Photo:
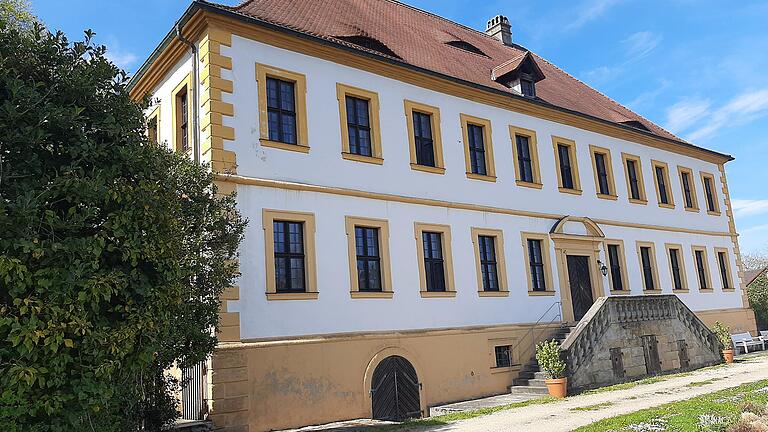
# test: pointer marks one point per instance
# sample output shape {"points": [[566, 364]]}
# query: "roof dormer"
{"points": [[520, 73]]}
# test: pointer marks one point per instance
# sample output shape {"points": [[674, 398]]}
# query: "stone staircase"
{"points": [[530, 380]]}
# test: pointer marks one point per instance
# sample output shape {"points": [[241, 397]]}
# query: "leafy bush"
{"points": [[757, 292], [113, 251], [549, 359], [723, 333]]}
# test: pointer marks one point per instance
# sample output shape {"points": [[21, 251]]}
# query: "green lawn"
{"points": [[708, 413]]}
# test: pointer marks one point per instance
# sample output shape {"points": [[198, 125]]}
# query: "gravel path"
{"points": [[563, 416]]}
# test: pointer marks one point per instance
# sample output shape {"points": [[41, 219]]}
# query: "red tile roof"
{"points": [[421, 39]]}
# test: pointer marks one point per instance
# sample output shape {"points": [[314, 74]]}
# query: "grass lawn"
{"points": [[708, 413]]}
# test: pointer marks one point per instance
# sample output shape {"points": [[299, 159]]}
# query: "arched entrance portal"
{"points": [[395, 390]]}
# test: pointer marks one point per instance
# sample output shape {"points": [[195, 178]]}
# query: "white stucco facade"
{"points": [[334, 311]]}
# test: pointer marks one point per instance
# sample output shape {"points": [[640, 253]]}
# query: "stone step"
{"points": [[530, 382], [528, 390]]}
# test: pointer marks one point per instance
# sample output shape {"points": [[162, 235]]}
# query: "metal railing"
{"points": [[193, 399], [539, 325]]}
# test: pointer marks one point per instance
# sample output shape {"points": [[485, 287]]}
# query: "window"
{"points": [[536, 252], [634, 174], [663, 190], [526, 155], [603, 171], [282, 108], [616, 264], [478, 148], [647, 253], [181, 107], [702, 268], [153, 125], [424, 136], [370, 274], [567, 166], [713, 206], [725, 268], [290, 255], [690, 199], [527, 87], [489, 259], [435, 263], [360, 130], [503, 356], [677, 267]]}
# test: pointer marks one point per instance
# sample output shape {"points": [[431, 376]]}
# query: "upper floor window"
{"points": [[424, 136], [436, 267], [647, 254], [616, 264], [709, 190], [567, 166], [290, 254], [369, 266], [663, 190], [360, 132], [181, 115], [526, 155], [634, 174], [478, 148], [689, 188], [603, 171], [282, 108], [725, 267], [153, 125], [536, 250], [702, 267], [489, 257]]}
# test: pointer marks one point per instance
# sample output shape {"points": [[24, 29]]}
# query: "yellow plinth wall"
{"points": [[739, 320], [266, 385]]}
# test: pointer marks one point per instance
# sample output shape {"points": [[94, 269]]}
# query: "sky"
{"points": [[698, 68]]}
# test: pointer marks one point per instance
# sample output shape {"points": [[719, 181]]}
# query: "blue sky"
{"points": [[696, 67]]}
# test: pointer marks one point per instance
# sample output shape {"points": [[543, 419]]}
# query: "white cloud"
{"points": [[641, 44], [686, 113], [600, 75], [739, 110], [590, 10], [123, 59], [748, 207]]}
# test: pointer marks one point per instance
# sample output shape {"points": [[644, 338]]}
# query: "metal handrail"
{"points": [[538, 323]]}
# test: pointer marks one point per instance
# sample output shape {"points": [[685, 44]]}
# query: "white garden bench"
{"points": [[745, 340], [764, 335]]}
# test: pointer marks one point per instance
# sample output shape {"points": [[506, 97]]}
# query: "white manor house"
{"points": [[424, 199]]}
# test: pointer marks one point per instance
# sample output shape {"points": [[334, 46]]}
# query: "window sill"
{"points": [[371, 294], [729, 290], [541, 293], [284, 146], [638, 201], [569, 191], [482, 177], [361, 158], [692, 209], [529, 184], [429, 169], [667, 206], [706, 290], [681, 291], [438, 294], [652, 292], [711, 213], [493, 293], [292, 296], [620, 292], [607, 197], [506, 369]]}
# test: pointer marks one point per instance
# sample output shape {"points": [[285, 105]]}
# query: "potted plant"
{"points": [[723, 334], [552, 364]]}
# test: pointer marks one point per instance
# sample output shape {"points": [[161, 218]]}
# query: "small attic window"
{"points": [[527, 86], [369, 43], [635, 124], [466, 46]]}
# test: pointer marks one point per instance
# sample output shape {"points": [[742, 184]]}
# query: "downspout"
{"points": [[195, 102]]}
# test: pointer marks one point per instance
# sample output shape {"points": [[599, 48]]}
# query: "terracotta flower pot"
{"points": [[728, 356], [557, 387]]}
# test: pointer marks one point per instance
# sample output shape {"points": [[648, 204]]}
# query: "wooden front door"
{"points": [[581, 285], [395, 390]]}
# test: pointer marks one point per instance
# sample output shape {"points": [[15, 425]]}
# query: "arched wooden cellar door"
{"points": [[395, 390]]}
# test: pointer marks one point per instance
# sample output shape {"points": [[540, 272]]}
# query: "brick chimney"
{"points": [[499, 28]]}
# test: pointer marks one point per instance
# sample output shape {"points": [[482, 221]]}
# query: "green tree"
{"points": [[113, 251], [17, 13], [757, 293]]}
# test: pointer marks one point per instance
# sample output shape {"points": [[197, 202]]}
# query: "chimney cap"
{"points": [[499, 28], [497, 20]]}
